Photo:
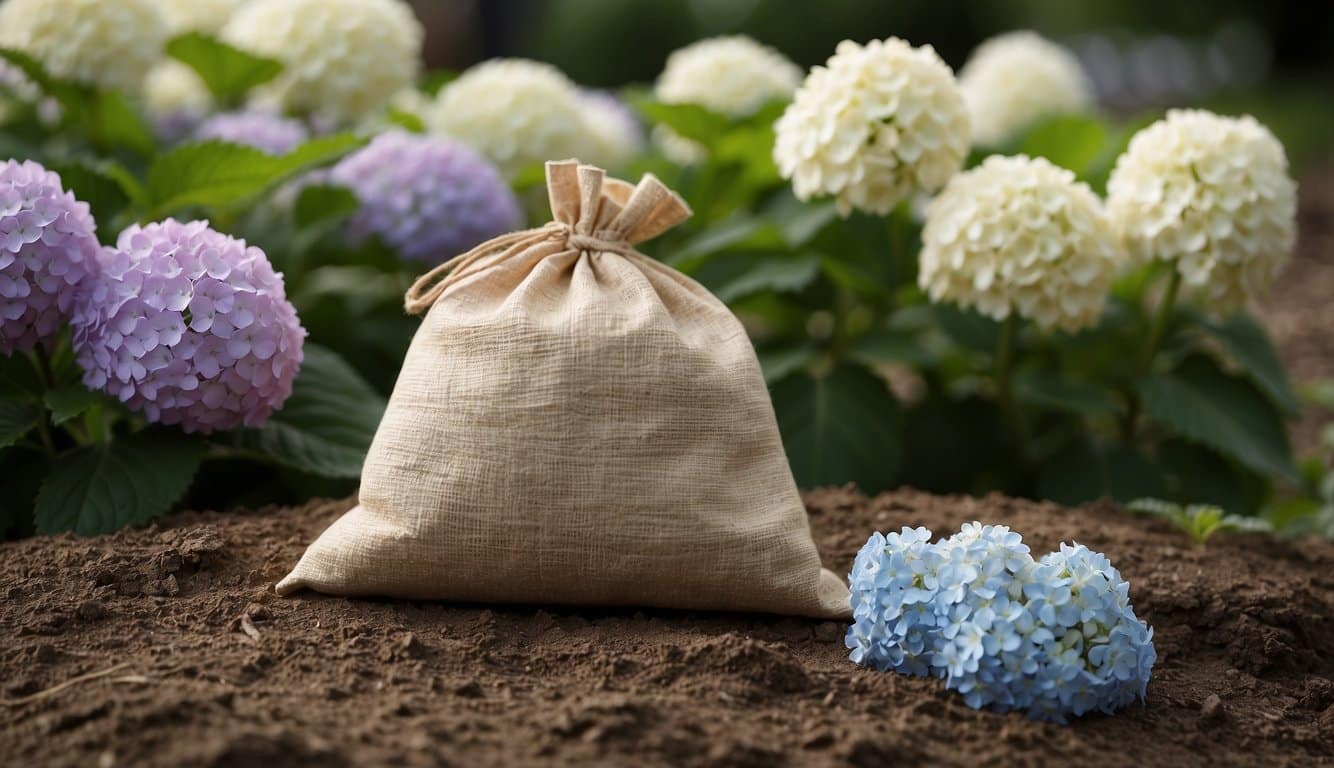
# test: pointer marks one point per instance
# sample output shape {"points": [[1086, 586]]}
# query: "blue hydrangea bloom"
{"points": [[264, 131], [427, 197], [47, 251], [1053, 637], [189, 326]]}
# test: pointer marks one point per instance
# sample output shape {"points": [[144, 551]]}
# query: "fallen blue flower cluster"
{"points": [[1053, 637]]}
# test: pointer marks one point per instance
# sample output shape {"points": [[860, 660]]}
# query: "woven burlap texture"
{"points": [[576, 423]]}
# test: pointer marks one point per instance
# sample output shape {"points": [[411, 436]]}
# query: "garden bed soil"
{"points": [[198, 662]]}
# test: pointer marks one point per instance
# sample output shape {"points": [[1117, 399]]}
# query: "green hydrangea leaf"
{"points": [[16, 418], [104, 487], [1248, 343], [1201, 403], [841, 425], [326, 426], [218, 173], [228, 72]]}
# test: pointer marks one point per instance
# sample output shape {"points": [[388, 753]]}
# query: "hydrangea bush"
{"points": [[1053, 637], [993, 313]]}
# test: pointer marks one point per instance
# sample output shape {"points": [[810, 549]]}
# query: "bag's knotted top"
{"points": [[590, 212]]}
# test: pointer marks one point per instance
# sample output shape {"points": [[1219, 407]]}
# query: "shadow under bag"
{"points": [[577, 423]]}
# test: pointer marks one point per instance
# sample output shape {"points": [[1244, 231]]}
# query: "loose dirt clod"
{"points": [[163, 680]]}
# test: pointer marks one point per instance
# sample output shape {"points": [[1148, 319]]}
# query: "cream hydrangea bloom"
{"points": [[516, 112], [1013, 80], [1211, 194], [733, 76], [1018, 234], [873, 126], [106, 43], [173, 87], [208, 16], [343, 59]]}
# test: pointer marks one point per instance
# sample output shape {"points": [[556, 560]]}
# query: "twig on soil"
{"points": [[53, 690], [248, 627]]}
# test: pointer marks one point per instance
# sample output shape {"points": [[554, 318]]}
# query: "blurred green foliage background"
{"points": [[1271, 59]]}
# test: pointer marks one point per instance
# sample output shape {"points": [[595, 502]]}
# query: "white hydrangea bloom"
{"points": [[1013, 80], [1211, 194], [516, 112], [207, 16], [173, 87], [343, 59], [1018, 234], [733, 76], [873, 126], [106, 43]]}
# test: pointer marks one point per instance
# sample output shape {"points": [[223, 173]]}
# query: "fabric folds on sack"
{"points": [[577, 423]]}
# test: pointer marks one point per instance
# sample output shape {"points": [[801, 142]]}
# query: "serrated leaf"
{"points": [[840, 426], [228, 72], [1248, 343], [318, 203], [326, 426], [16, 418], [1199, 402], [1046, 389], [218, 173], [102, 488], [70, 402]]}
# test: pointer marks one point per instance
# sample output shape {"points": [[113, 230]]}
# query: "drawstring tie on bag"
{"points": [[592, 214]]}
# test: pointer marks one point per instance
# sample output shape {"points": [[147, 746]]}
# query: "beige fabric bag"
{"points": [[577, 423]]}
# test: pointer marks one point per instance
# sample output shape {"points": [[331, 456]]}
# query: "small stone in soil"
{"points": [[470, 690], [1212, 710], [92, 610]]}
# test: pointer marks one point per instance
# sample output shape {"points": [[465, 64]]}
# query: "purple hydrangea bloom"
{"points": [[264, 131], [428, 197], [189, 326], [47, 250]]}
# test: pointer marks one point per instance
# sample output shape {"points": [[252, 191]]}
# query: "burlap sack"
{"points": [[577, 423]]}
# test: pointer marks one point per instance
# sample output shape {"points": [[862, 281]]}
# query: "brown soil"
{"points": [[203, 665], [1299, 311]]}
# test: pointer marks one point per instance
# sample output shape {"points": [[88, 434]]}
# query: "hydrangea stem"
{"points": [[1150, 350], [1004, 365], [1160, 321]]}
